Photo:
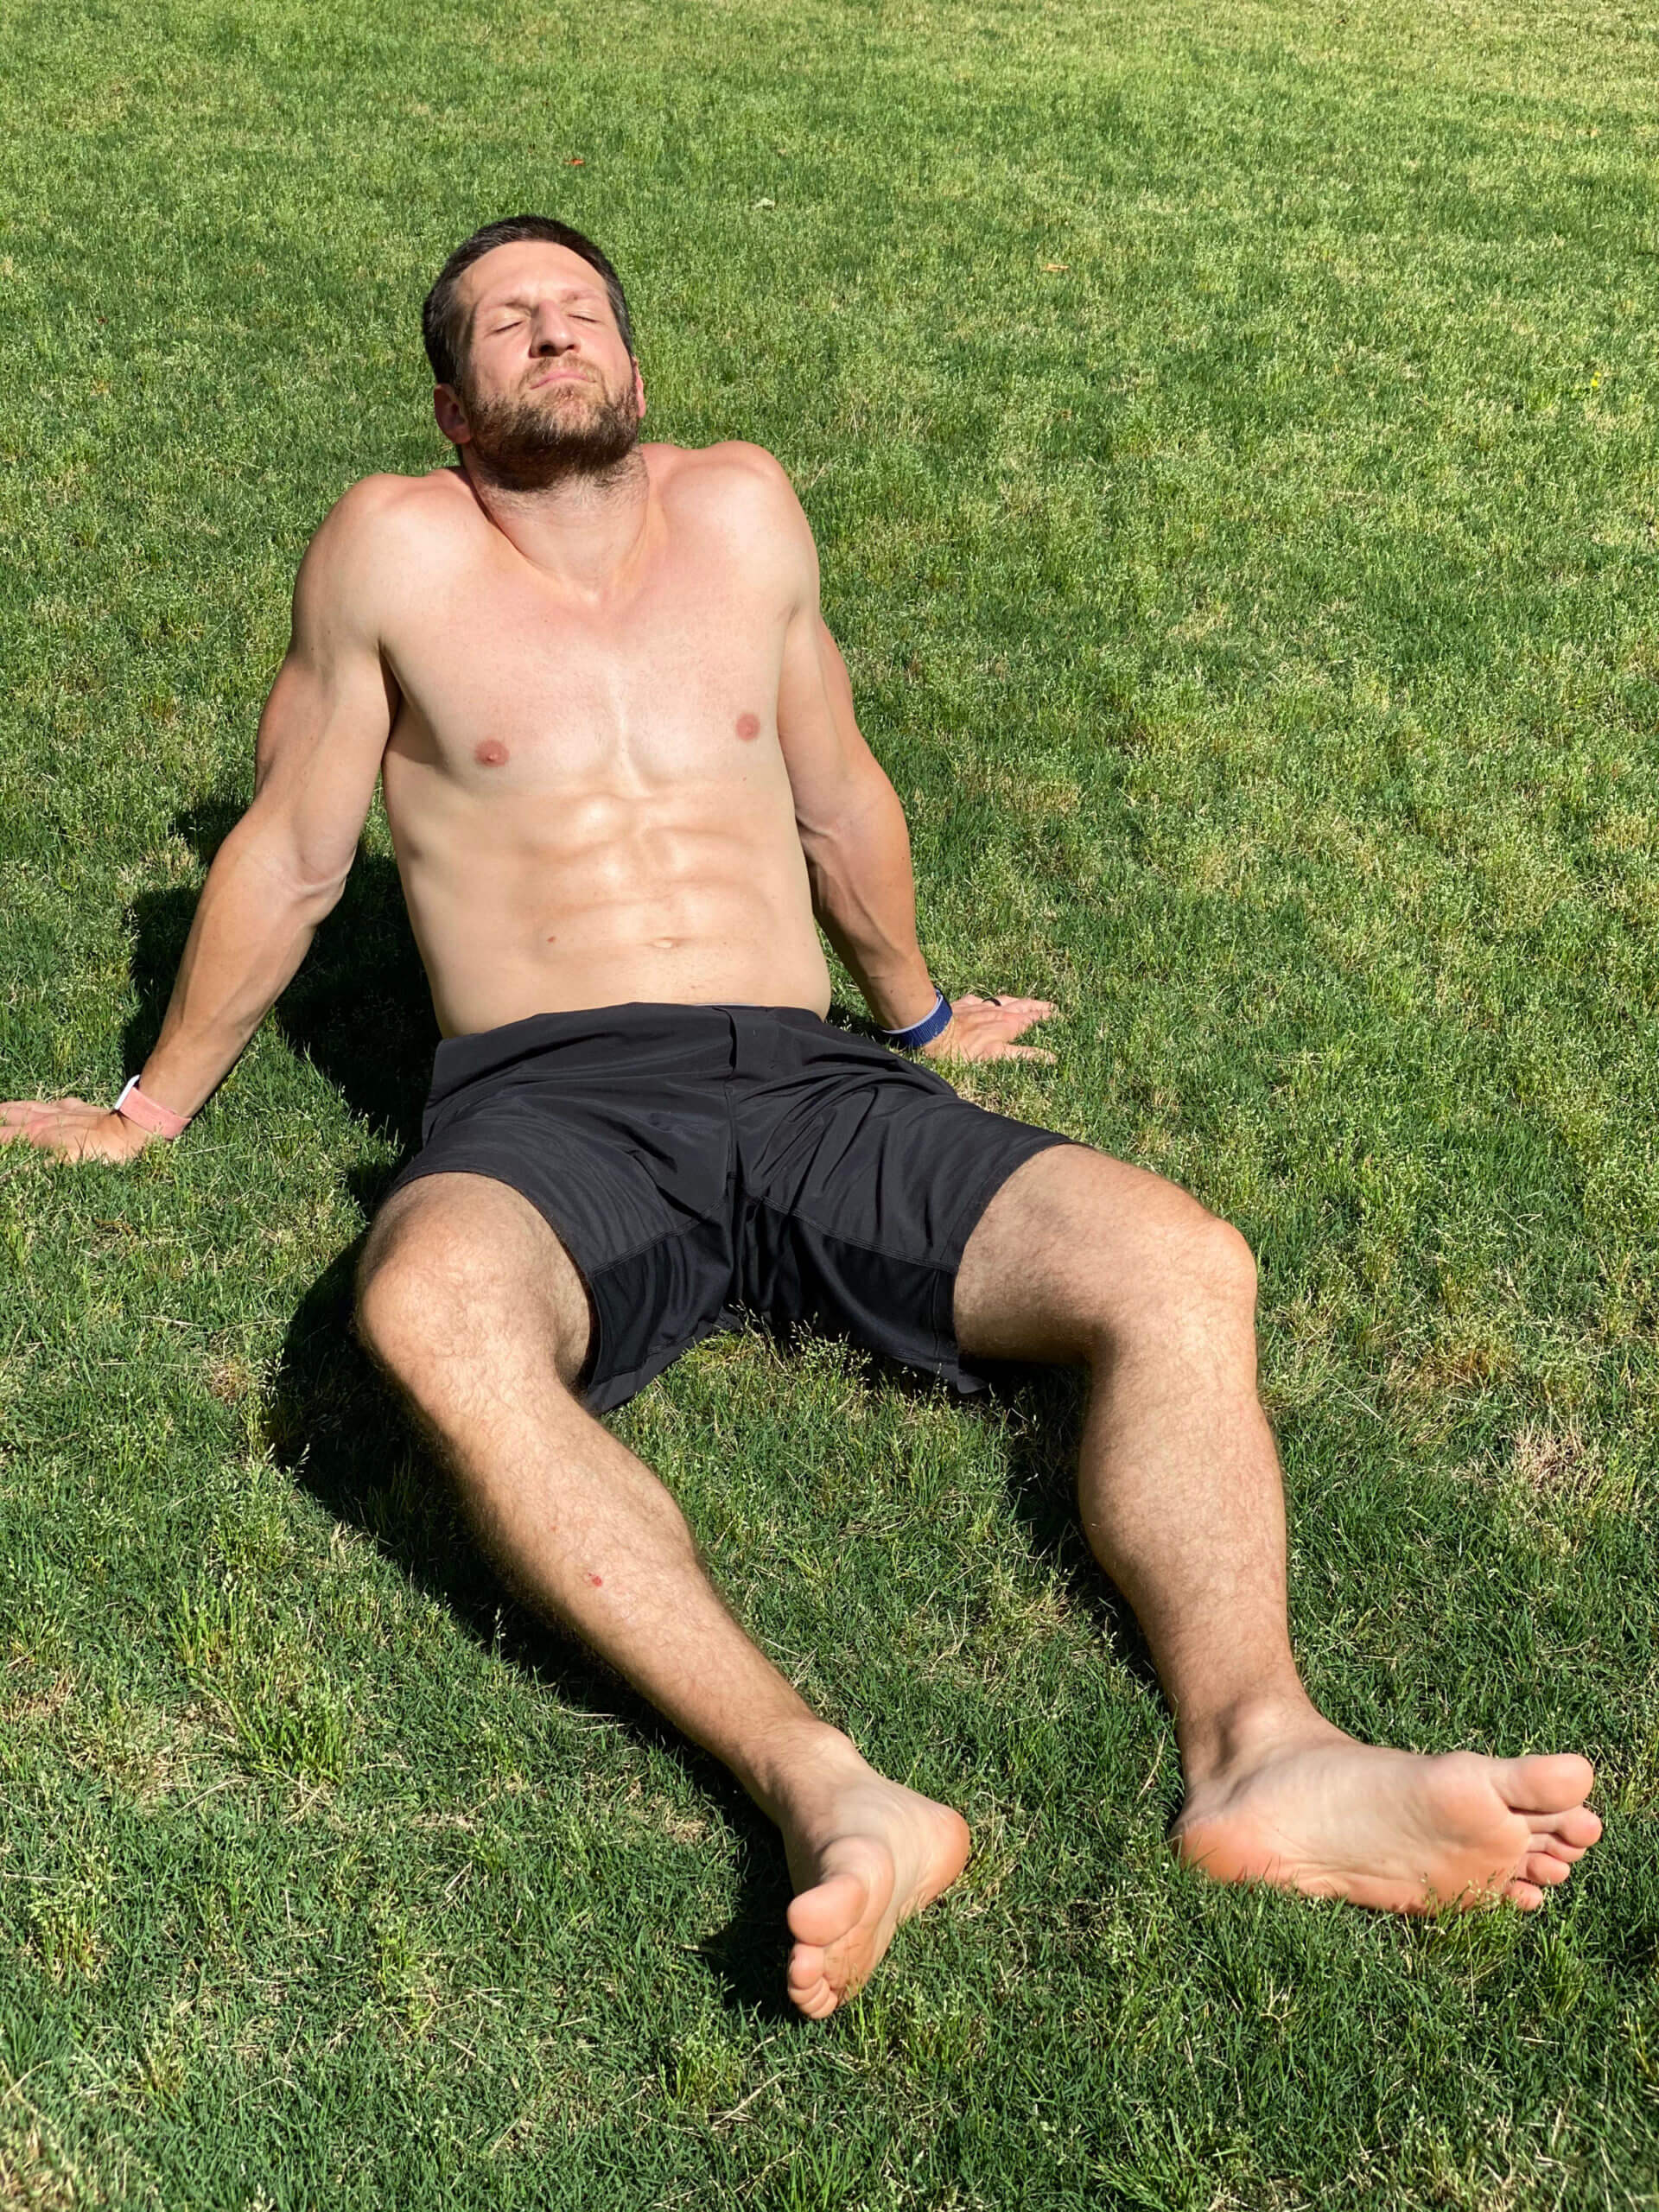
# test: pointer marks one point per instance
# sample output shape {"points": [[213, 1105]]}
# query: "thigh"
{"points": [[866, 1175], [1073, 1243], [471, 1253], [637, 1204]]}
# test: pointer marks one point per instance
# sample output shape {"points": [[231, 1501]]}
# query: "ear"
{"points": [[451, 417], [639, 393]]}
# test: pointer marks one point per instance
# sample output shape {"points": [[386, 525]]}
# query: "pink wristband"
{"points": [[160, 1121]]}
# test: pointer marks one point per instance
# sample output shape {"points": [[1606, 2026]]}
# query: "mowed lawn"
{"points": [[1229, 434]]}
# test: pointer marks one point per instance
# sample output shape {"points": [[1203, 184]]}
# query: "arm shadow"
{"points": [[359, 1010]]}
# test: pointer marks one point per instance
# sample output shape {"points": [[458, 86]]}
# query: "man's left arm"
{"points": [[857, 846]]}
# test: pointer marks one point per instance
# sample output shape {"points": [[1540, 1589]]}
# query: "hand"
{"points": [[985, 1028], [71, 1129]]}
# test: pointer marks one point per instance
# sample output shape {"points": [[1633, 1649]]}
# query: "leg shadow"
{"points": [[340, 1431], [1040, 1411]]}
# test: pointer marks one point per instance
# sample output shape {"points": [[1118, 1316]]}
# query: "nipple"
{"points": [[491, 753], [748, 726]]}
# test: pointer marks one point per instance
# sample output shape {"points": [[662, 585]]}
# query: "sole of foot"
{"points": [[872, 1855], [1392, 1830]]}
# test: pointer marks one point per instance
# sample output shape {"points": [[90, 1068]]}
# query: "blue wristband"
{"points": [[924, 1030]]}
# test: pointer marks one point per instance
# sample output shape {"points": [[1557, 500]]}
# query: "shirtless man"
{"points": [[622, 775]]}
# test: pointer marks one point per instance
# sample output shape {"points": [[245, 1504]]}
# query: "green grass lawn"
{"points": [[1229, 433]]}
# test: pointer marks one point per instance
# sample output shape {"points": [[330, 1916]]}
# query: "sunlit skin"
{"points": [[621, 763]]}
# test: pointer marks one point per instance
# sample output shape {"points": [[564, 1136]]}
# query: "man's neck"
{"points": [[584, 531]]}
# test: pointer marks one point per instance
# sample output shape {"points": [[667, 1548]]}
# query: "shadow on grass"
{"points": [[360, 1012], [1039, 1413], [358, 1009], [337, 1428], [1040, 1409]]}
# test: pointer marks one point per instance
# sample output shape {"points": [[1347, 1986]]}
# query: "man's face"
{"points": [[546, 389]]}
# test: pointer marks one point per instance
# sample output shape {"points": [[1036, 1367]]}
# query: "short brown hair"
{"points": [[444, 328]]}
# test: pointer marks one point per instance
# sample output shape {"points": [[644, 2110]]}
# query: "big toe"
{"points": [[1554, 1782], [835, 1927], [827, 1914]]}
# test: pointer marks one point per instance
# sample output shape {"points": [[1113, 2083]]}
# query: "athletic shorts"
{"points": [[706, 1165]]}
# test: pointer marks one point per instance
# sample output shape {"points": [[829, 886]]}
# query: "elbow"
{"points": [[287, 881], [314, 886]]}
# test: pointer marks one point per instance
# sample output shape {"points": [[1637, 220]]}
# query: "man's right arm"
{"points": [[283, 866]]}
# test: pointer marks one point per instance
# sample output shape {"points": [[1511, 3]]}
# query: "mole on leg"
{"points": [[748, 726], [491, 753]]}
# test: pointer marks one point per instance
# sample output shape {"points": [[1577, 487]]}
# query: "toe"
{"points": [[808, 1984], [1568, 1853], [823, 1915], [1543, 1869], [1545, 1783], [1525, 1894]]}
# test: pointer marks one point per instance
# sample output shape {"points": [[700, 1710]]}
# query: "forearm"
{"points": [[253, 925], [864, 894]]}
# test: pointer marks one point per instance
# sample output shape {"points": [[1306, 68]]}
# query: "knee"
{"points": [[1197, 1271], [395, 1297], [416, 1287], [1222, 1261], [468, 1279]]}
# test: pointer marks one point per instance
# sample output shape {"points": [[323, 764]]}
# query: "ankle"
{"points": [[1218, 1743], [797, 1759]]}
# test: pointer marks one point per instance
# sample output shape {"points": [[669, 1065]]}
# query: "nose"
{"points": [[551, 334]]}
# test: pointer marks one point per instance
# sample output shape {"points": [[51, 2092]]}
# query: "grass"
{"points": [[1230, 431]]}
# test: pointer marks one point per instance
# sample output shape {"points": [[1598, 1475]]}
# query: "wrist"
{"points": [[924, 1030], [899, 998], [149, 1114]]}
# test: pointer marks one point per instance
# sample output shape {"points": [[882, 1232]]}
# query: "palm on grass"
{"points": [[70, 1128], [985, 1027]]}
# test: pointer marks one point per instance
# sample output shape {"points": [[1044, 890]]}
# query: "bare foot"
{"points": [[864, 1854], [1319, 1813]]}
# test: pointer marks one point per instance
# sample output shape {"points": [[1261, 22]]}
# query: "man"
{"points": [[622, 774]]}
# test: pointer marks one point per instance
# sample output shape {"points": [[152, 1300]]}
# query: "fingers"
{"points": [[1024, 1009], [15, 1111], [68, 1128], [30, 1120]]}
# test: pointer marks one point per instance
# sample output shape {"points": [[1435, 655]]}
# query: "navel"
{"points": [[490, 753], [748, 726]]}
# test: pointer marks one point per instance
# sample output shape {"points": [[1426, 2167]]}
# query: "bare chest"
{"points": [[507, 688]]}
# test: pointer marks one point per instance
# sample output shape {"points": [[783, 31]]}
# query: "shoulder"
{"points": [[737, 493], [730, 477], [379, 509], [379, 537]]}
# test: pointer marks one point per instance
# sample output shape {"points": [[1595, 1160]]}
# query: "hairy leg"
{"points": [[471, 1304], [1080, 1258]]}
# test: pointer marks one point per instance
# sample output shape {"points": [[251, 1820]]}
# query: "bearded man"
{"points": [[623, 775]]}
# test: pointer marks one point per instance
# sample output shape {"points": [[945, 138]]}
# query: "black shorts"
{"points": [[703, 1164]]}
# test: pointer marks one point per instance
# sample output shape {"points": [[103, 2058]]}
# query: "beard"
{"points": [[525, 445]]}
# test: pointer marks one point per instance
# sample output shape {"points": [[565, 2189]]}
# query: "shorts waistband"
{"points": [[589, 1033]]}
